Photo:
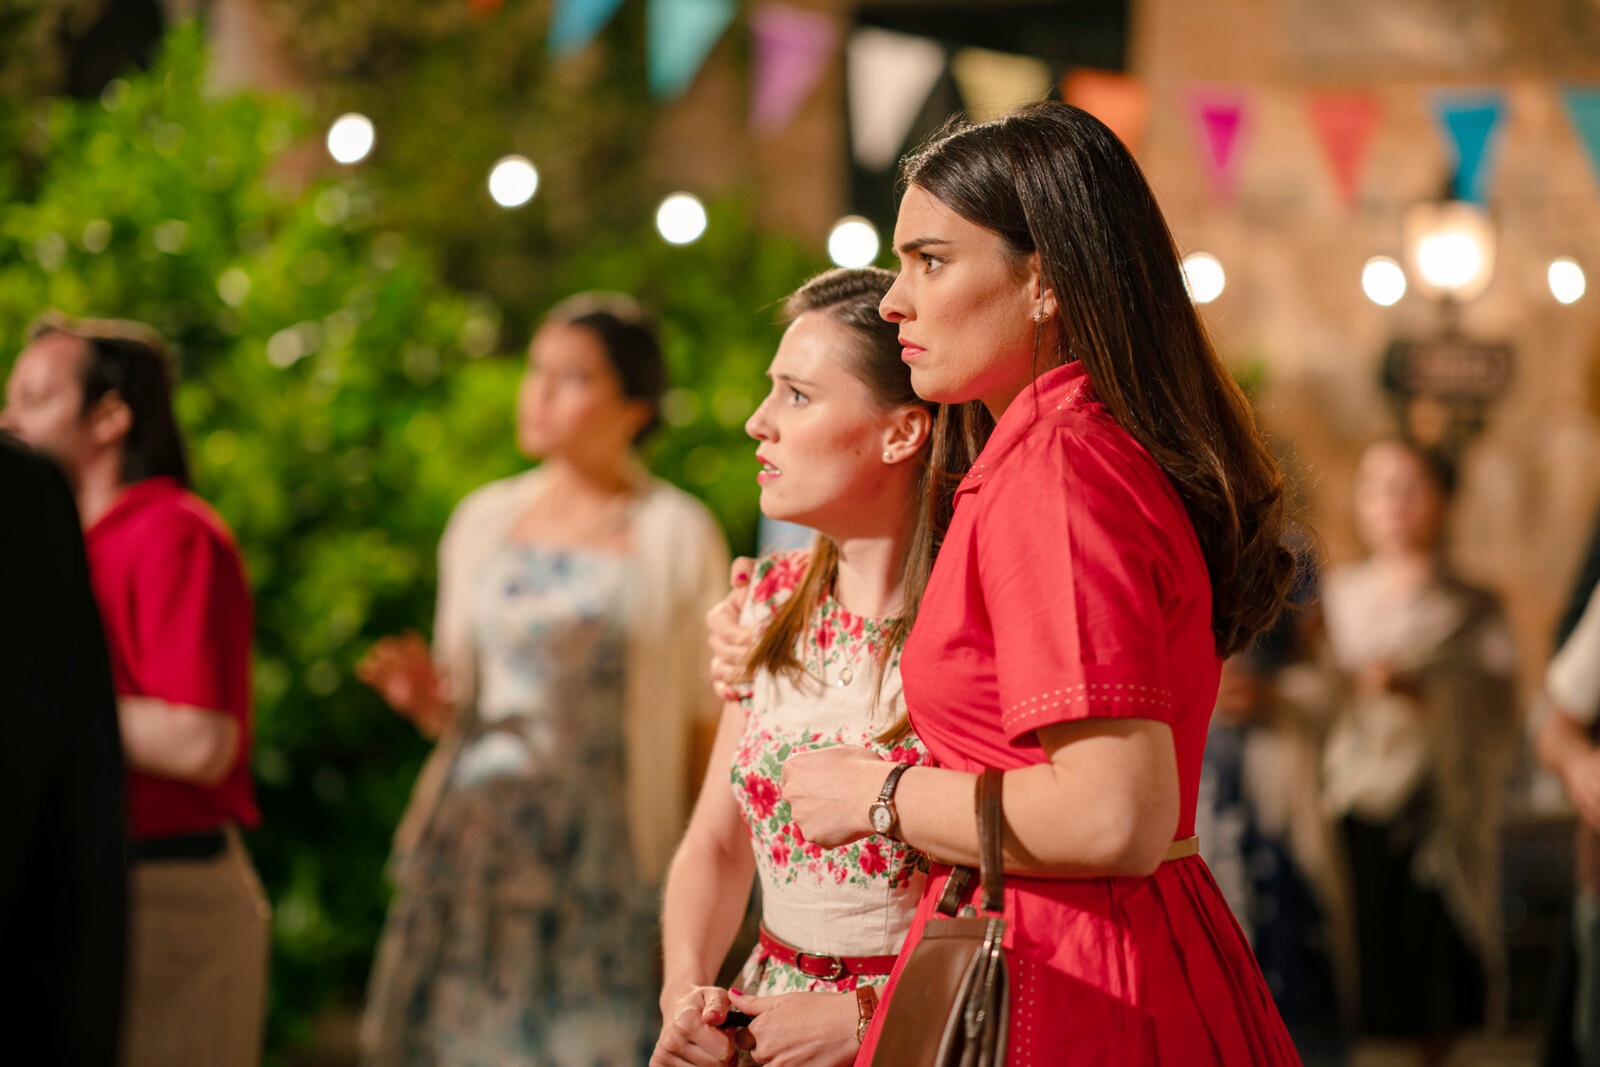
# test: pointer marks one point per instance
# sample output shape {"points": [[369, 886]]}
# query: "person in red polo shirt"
{"points": [[97, 398]]}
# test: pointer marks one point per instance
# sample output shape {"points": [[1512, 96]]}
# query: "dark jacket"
{"points": [[63, 886]]}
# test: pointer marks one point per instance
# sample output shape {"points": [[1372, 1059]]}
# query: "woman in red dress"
{"points": [[1121, 532]]}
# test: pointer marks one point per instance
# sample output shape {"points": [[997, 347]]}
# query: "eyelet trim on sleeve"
{"points": [[1091, 693]]}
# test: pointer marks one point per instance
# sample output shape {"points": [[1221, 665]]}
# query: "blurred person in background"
{"points": [[1262, 827], [63, 875], [96, 397], [1415, 764], [564, 684], [1567, 745]]}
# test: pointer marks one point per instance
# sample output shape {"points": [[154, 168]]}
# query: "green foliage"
{"points": [[339, 398], [482, 73]]}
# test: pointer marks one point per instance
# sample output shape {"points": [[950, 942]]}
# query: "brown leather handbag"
{"points": [[952, 1004]]}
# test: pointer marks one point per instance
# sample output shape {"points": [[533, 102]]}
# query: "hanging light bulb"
{"points": [[1204, 277], [1567, 281], [1383, 281], [853, 242], [681, 219], [350, 138], [513, 181]]}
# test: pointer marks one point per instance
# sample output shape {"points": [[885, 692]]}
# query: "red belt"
{"points": [[820, 964]]}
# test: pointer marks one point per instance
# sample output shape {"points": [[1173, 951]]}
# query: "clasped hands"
{"points": [[786, 1030]]}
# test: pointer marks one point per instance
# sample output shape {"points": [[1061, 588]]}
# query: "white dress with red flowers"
{"points": [[856, 900]]}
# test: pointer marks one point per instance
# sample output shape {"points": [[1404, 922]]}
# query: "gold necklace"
{"points": [[848, 673]]}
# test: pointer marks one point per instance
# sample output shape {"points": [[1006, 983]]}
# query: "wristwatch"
{"points": [[866, 1004], [882, 816]]}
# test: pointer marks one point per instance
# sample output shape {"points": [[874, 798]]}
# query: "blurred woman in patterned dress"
{"points": [[564, 684]]}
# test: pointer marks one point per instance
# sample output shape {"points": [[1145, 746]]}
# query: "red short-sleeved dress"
{"points": [[1071, 585]]}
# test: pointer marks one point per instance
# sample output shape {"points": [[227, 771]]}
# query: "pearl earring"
{"points": [[886, 457]]}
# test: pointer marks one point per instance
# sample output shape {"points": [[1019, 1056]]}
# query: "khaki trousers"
{"points": [[197, 962]]}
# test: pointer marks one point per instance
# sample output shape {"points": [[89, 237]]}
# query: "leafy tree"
{"points": [[339, 397]]}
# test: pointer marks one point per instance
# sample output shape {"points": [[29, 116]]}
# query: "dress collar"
{"points": [[1056, 390], [133, 499]]}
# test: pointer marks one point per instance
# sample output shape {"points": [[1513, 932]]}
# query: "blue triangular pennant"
{"points": [[1470, 122], [1583, 108], [574, 23], [682, 34]]}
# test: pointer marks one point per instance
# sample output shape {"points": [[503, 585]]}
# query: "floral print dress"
{"points": [[858, 899], [520, 933]]}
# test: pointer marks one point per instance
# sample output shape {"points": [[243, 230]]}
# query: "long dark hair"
{"points": [[130, 360], [850, 296], [1053, 180]]}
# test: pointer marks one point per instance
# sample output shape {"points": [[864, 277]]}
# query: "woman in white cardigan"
{"points": [[564, 685]]}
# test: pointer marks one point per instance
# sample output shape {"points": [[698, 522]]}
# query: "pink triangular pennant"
{"points": [[1221, 118], [791, 47], [1345, 123]]}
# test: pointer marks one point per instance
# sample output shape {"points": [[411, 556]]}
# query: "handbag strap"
{"points": [[955, 887], [991, 820]]}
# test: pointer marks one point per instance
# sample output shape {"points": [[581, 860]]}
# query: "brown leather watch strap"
{"points": [[866, 1004]]}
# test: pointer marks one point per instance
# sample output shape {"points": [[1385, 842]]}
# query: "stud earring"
{"points": [[1040, 316], [886, 457]]}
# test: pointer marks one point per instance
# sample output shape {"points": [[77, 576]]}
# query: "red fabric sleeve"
{"points": [[192, 617], [1068, 555]]}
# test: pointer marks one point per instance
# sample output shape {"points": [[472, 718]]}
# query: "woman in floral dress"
{"points": [[564, 684], [844, 449]]}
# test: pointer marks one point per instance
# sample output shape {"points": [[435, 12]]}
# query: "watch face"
{"points": [[882, 818]]}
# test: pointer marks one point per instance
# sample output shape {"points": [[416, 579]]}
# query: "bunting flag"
{"points": [[1583, 108], [1221, 118], [992, 83], [791, 47], [1470, 122], [682, 34], [574, 23], [890, 76], [1121, 101], [1345, 123]]}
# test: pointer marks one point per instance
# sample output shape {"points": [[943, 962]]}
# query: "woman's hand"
{"points": [[731, 643], [802, 1029], [401, 670], [689, 1036], [830, 789]]}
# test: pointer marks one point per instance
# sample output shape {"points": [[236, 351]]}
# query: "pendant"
{"points": [[846, 676]]}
